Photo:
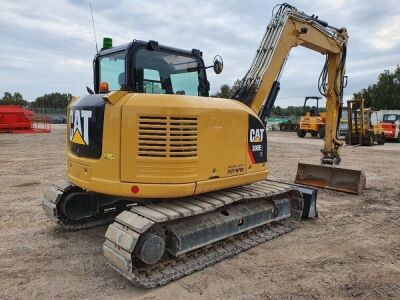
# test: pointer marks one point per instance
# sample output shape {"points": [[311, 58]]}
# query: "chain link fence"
{"points": [[54, 115]]}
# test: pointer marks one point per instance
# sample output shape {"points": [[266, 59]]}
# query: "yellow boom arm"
{"points": [[290, 28]]}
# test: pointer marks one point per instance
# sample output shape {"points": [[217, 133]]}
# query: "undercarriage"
{"points": [[154, 242]]}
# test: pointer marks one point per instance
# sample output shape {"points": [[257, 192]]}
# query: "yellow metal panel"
{"points": [[211, 133], [108, 166], [124, 189], [227, 182], [115, 96], [79, 171]]}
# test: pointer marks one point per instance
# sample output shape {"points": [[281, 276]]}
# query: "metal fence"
{"points": [[45, 111], [54, 115]]}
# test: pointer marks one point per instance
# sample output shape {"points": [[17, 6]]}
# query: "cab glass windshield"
{"points": [[158, 72], [390, 118], [112, 70]]}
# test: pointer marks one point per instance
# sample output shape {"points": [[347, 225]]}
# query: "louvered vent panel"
{"points": [[167, 136]]}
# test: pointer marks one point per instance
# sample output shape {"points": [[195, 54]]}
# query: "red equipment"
{"points": [[15, 119], [391, 126]]}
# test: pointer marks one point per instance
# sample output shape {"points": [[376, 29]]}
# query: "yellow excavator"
{"points": [[182, 176]]}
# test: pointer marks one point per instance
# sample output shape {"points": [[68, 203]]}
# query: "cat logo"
{"points": [[256, 135], [77, 133]]}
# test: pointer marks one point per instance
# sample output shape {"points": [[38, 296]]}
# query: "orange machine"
{"points": [[391, 127]]}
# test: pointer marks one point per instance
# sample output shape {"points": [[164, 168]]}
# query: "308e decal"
{"points": [[257, 141]]}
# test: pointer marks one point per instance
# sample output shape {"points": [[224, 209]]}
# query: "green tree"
{"points": [[385, 94], [277, 111], [227, 91], [13, 99], [292, 110], [52, 100]]}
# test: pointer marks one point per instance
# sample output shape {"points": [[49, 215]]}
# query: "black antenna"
{"points": [[94, 30]]}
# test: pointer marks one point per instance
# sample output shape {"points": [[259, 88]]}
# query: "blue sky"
{"points": [[48, 46]]}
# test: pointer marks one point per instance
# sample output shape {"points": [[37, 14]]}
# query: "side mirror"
{"points": [[345, 81], [218, 64]]}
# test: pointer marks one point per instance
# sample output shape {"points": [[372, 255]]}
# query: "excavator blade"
{"points": [[327, 177]]}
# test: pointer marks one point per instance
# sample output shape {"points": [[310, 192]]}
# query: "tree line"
{"points": [[385, 94], [52, 100], [227, 91]]}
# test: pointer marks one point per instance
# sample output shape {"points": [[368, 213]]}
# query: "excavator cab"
{"points": [[147, 67], [313, 121]]}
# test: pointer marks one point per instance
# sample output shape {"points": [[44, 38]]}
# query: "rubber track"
{"points": [[53, 196], [123, 234]]}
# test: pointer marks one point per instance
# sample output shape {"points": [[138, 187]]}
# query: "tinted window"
{"points": [[160, 72], [390, 118], [112, 70], [185, 83], [152, 82]]}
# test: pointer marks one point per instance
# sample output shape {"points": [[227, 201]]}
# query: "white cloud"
{"points": [[388, 36], [48, 45]]}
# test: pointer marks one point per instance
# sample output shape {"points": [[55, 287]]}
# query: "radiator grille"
{"points": [[167, 136]]}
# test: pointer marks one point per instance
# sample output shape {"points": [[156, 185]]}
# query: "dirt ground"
{"points": [[352, 250]]}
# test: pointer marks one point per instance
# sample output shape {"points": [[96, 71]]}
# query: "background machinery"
{"points": [[364, 128], [289, 125], [313, 121], [182, 175], [16, 119], [343, 124], [391, 126]]}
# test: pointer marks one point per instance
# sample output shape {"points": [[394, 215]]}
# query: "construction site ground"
{"points": [[351, 250]]}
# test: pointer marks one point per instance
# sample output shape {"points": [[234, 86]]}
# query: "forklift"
{"points": [[364, 128]]}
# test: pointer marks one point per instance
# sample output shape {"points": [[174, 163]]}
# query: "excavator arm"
{"points": [[290, 28], [259, 88]]}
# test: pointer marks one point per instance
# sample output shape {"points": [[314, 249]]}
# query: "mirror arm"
{"points": [[89, 90]]}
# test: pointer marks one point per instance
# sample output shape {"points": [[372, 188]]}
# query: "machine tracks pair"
{"points": [[155, 242]]}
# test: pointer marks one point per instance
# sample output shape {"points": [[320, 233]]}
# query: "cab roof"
{"points": [[150, 44]]}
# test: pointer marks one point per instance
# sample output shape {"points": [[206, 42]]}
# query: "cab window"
{"points": [[112, 70], [390, 118], [152, 82], [159, 72]]}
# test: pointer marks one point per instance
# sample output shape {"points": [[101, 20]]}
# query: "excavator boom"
{"points": [[259, 88]]}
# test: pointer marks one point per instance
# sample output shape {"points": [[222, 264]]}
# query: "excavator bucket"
{"points": [[338, 179]]}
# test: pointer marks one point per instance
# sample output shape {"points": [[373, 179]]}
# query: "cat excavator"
{"points": [[181, 176]]}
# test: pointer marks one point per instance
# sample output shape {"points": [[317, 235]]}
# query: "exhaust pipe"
{"points": [[338, 179]]}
